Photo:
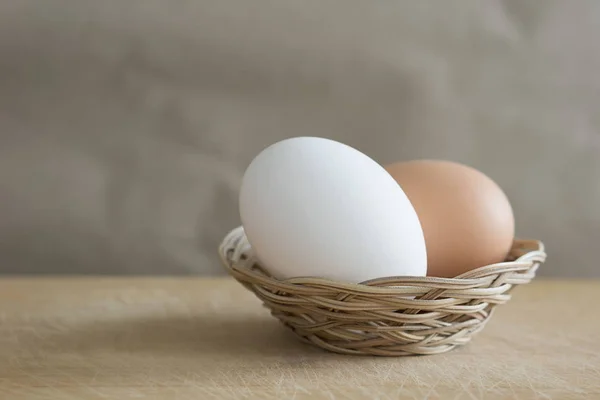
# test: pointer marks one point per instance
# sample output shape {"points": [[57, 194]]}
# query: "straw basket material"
{"points": [[391, 316]]}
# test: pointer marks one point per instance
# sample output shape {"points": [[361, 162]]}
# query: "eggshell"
{"points": [[316, 207], [466, 218]]}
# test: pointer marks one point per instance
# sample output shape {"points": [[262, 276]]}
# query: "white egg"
{"points": [[316, 207]]}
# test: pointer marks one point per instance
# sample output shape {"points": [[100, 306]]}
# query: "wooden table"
{"points": [[178, 338]]}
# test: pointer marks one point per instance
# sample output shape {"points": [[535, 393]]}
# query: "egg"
{"points": [[315, 207], [466, 218]]}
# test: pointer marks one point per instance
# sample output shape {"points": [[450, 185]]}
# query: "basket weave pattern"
{"points": [[392, 316]]}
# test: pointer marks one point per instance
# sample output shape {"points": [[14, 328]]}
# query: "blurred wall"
{"points": [[125, 126]]}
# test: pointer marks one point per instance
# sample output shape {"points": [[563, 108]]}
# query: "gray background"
{"points": [[125, 126]]}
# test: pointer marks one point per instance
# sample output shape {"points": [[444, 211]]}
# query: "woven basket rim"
{"points": [[524, 253]]}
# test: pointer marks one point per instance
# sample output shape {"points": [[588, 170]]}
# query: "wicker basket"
{"points": [[392, 316]]}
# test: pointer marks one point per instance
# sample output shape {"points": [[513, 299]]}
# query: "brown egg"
{"points": [[467, 219]]}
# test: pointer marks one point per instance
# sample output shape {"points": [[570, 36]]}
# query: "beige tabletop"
{"points": [[183, 338]]}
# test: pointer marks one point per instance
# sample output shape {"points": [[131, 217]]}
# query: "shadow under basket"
{"points": [[392, 316]]}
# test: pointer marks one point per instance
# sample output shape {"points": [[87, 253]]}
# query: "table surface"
{"points": [[182, 338]]}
